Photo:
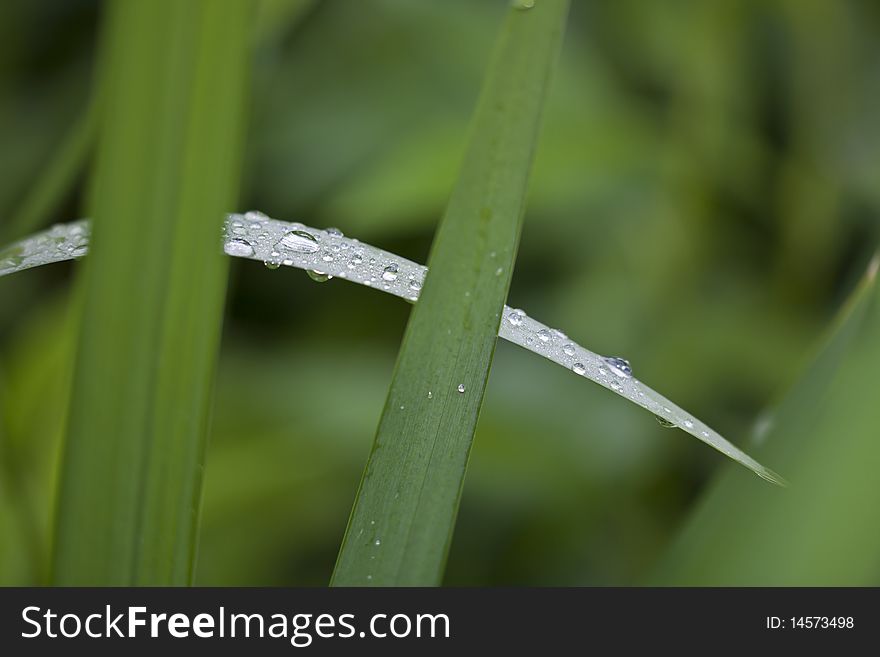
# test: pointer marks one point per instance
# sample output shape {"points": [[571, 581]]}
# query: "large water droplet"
{"points": [[620, 366], [298, 241], [318, 276], [515, 317], [333, 232], [568, 349], [689, 424], [523, 4], [461, 387], [238, 248], [544, 335], [664, 422], [578, 368], [390, 273]]}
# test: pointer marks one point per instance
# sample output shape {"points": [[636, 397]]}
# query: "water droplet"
{"points": [[430, 395], [318, 276], [238, 248], [578, 368], [544, 335], [390, 273], [273, 261], [620, 366], [515, 317], [377, 542], [689, 424], [415, 284], [705, 433], [333, 232], [298, 241], [603, 372], [499, 271], [568, 349], [79, 251], [461, 387], [664, 422], [523, 4], [255, 215], [327, 257]]}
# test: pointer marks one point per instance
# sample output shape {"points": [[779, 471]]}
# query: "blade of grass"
{"points": [[173, 89], [257, 237], [59, 177], [824, 530], [402, 522]]}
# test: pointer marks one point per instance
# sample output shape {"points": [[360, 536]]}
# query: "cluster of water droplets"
{"points": [[61, 242], [327, 253], [323, 253]]}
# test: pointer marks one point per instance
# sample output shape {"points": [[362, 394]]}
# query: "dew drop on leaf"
{"points": [[620, 367], [298, 241], [515, 317], [238, 248]]}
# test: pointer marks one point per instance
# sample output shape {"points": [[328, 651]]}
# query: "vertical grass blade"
{"points": [[173, 88], [403, 518]]}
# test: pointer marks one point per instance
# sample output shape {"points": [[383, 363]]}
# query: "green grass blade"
{"points": [[824, 530], [59, 177], [402, 522], [172, 98], [257, 237]]}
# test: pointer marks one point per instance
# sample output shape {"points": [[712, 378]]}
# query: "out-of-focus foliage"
{"points": [[727, 157], [824, 530]]}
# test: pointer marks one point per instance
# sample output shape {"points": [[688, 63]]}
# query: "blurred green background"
{"points": [[705, 197]]}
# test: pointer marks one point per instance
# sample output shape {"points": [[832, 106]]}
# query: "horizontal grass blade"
{"points": [[257, 237], [404, 515], [172, 98], [824, 530]]}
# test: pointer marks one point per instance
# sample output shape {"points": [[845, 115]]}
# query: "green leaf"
{"points": [[170, 137], [402, 522], [824, 530], [59, 177]]}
